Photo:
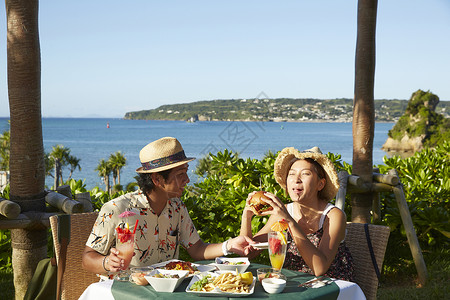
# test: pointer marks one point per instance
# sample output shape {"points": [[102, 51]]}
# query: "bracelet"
{"points": [[224, 248], [104, 259]]}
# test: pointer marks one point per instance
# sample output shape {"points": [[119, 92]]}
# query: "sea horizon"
{"points": [[93, 139]]}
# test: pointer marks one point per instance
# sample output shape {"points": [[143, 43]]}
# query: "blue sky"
{"points": [[104, 58]]}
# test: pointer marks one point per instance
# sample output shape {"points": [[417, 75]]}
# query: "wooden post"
{"points": [[340, 196], [410, 232], [376, 206], [388, 179], [28, 220], [63, 203], [65, 190], [85, 200], [9, 209]]}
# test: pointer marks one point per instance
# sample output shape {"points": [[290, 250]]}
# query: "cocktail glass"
{"points": [[277, 248], [125, 245]]}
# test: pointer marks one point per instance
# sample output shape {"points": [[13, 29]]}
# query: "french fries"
{"points": [[226, 282], [230, 283]]}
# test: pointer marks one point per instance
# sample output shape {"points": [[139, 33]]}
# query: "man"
{"points": [[163, 222]]}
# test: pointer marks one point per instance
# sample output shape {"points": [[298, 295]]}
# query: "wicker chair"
{"points": [[356, 241], [75, 279]]}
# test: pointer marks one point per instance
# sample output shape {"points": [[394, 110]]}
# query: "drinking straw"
{"points": [[135, 225]]}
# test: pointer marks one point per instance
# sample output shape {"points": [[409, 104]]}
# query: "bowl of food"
{"points": [[232, 264], [268, 273], [138, 273], [166, 280], [273, 285]]}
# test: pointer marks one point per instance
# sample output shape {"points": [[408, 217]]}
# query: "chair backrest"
{"points": [[356, 241], [75, 279]]}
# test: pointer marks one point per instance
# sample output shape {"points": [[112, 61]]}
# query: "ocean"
{"points": [[91, 139]]}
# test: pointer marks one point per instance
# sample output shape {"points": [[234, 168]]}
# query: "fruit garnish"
{"points": [[123, 234], [282, 237], [247, 277], [275, 245], [279, 227]]}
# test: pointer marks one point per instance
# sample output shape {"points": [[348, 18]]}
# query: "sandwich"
{"points": [[257, 203]]}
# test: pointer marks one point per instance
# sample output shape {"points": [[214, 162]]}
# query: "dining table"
{"points": [[333, 290]]}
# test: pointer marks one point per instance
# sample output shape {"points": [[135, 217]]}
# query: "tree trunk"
{"points": [[108, 186], [363, 107], [57, 172], [27, 177]]}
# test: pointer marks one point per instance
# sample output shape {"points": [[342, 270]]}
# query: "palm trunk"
{"points": [[363, 107], [118, 176], [57, 171], [27, 168]]}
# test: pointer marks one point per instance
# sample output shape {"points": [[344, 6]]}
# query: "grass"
{"points": [[7, 284], [402, 283]]}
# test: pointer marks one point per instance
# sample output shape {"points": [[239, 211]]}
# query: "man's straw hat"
{"points": [[289, 155], [163, 154]]}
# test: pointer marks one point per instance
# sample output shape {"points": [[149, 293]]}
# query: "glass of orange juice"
{"points": [[277, 248], [125, 245]]}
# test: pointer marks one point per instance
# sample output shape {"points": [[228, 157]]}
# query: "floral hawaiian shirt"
{"points": [[157, 238]]}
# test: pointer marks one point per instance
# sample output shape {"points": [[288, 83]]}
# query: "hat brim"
{"points": [[285, 159], [166, 167]]}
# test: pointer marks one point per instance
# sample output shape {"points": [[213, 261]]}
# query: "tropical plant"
{"points": [[74, 163], [104, 169], [5, 149], [425, 179], [59, 158], [216, 203], [117, 161]]}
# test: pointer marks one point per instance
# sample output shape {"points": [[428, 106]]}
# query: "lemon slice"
{"points": [[247, 277], [282, 237]]}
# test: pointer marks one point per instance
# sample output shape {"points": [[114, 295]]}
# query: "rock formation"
{"points": [[419, 127]]}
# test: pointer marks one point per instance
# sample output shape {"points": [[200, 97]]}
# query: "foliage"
{"points": [[59, 158], [425, 178], [5, 147], [117, 161], [216, 203], [5, 249]]}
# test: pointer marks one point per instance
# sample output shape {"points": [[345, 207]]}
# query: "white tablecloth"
{"points": [[102, 290]]}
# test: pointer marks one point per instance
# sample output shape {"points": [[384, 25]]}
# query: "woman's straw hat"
{"points": [[163, 154], [289, 155]]}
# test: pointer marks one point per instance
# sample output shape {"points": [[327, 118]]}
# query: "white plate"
{"points": [[201, 268], [261, 246], [217, 292]]}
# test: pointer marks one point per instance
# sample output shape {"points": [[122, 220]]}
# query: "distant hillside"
{"points": [[276, 110]]}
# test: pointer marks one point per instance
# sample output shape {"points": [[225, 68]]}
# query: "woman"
{"points": [[316, 227]]}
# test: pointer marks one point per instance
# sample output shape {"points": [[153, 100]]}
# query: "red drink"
{"points": [[125, 245]]}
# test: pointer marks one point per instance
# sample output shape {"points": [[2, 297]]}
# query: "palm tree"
{"points": [[59, 158], [74, 164], [117, 162], [363, 107], [104, 170], [26, 165]]}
